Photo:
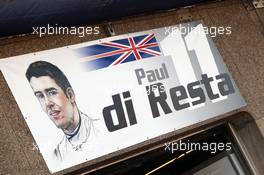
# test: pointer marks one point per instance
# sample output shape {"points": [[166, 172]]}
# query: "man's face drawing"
{"points": [[57, 105]]}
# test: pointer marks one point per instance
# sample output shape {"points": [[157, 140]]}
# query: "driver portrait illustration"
{"points": [[57, 99]]}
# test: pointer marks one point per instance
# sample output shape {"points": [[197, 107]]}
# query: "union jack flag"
{"points": [[116, 52]]}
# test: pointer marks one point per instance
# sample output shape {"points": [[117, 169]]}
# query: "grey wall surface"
{"points": [[242, 52]]}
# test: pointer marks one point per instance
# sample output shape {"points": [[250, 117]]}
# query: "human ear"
{"points": [[70, 94]]}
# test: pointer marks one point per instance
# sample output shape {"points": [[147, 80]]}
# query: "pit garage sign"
{"points": [[87, 100]]}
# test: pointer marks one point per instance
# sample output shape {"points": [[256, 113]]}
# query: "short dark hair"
{"points": [[43, 68]]}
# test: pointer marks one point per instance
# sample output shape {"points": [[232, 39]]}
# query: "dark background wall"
{"points": [[242, 51], [17, 17]]}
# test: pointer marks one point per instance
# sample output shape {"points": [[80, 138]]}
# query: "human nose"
{"points": [[48, 102]]}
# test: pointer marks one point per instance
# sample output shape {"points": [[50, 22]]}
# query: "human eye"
{"points": [[39, 95], [52, 92]]}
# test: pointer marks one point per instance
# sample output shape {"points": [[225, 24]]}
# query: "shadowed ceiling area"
{"points": [[18, 17]]}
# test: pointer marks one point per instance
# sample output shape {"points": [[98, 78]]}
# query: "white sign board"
{"points": [[88, 100]]}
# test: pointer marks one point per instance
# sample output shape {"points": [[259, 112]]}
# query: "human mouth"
{"points": [[54, 114]]}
